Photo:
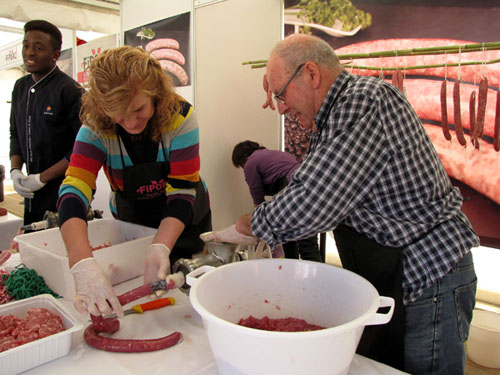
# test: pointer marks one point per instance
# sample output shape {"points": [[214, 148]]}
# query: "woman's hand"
{"points": [[94, 293], [157, 265]]}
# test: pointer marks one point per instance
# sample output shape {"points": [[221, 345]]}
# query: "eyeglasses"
{"points": [[278, 95]]}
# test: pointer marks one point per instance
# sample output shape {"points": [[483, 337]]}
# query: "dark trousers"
{"points": [[45, 199], [306, 248]]}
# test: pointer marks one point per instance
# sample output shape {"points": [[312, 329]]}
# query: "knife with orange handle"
{"points": [[143, 307], [151, 305]]}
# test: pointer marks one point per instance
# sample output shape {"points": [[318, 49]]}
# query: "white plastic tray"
{"points": [[35, 353], [122, 260]]}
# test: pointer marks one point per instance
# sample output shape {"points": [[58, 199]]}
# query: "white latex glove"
{"points": [[263, 250], [94, 293], [17, 177], [157, 265], [228, 235], [32, 182]]}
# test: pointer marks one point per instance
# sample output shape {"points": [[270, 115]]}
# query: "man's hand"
{"points": [[94, 293], [228, 235], [32, 182], [269, 101], [17, 177]]}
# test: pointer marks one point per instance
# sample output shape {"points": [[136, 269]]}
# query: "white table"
{"points": [[9, 226], [191, 356]]}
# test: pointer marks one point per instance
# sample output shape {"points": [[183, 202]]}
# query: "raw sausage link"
{"points": [[134, 294], [92, 337], [458, 115], [108, 325], [4, 256], [472, 114], [496, 136], [111, 325], [170, 54], [481, 111], [171, 282], [444, 112], [162, 43]]}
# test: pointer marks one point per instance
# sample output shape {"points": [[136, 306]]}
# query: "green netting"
{"points": [[24, 282]]}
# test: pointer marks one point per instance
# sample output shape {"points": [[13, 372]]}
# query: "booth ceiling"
{"points": [[101, 16]]}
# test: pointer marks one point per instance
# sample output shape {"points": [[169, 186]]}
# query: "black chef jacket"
{"points": [[44, 122]]}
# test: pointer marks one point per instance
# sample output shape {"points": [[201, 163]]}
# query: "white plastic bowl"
{"points": [[483, 346], [279, 288]]}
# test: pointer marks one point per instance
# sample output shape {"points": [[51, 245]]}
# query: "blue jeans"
{"points": [[437, 323]]}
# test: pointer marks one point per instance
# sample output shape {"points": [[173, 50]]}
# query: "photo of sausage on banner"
{"points": [[447, 64], [168, 41]]}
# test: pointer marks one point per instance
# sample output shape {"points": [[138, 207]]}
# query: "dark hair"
{"points": [[48, 28], [242, 151]]}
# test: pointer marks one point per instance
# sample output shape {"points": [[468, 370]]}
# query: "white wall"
{"points": [[7, 80], [229, 96]]}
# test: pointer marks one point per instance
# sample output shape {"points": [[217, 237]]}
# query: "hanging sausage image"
{"points": [[496, 136], [458, 116], [444, 112], [472, 114], [481, 112]]}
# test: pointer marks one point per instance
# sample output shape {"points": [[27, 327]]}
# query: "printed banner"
{"points": [[86, 52]]}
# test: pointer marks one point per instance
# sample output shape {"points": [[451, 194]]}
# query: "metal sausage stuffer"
{"points": [[218, 254]]}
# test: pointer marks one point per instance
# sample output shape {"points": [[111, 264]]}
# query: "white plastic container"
{"points": [[35, 353], [122, 258], [483, 346], [319, 293]]}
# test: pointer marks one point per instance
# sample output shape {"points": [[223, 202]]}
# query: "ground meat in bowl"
{"points": [[282, 324]]}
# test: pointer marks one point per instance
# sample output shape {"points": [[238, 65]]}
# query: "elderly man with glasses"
{"points": [[373, 176]]}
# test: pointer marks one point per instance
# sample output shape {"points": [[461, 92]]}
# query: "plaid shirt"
{"points": [[372, 167]]}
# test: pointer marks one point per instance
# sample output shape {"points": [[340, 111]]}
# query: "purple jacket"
{"points": [[264, 167]]}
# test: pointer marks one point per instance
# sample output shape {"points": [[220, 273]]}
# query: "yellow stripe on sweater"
{"points": [[80, 185], [82, 174]]}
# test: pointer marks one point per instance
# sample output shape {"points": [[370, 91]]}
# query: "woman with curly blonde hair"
{"points": [[146, 139]]}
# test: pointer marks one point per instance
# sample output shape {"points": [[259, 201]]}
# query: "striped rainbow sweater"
{"points": [[93, 150]]}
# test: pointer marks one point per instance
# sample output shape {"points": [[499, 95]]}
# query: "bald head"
{"points": [[299, 48], [300, 71]]}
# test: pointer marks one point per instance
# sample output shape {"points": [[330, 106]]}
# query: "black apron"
{"points": [[143, 201], [381, 266]]}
